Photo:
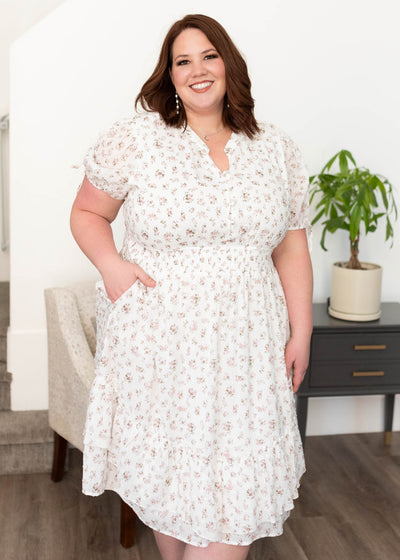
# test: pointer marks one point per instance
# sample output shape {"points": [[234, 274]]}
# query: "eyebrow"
{"points": [[204, 52]]}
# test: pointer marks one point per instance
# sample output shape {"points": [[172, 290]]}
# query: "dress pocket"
{"points": [[110, 316], [100, 289]]}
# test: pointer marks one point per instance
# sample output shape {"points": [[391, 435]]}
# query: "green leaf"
{"points": [[372, 196], [322, 202], [355, 220], [343, 189], [336, 223], [327, 203], [344, 167], [389, 229], [365, 218], [383, 193], [362, 194], [330, 163], [318, 216], [322, 242], [341, 207], [313, 193], [349, 155], [367, 197], [327, 178]]}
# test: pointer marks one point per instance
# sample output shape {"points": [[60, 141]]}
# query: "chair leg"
{"points": [[59, 455], [128, 518]]}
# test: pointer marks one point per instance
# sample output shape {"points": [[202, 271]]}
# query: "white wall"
{"points": [[324, 71], [16, 16]]}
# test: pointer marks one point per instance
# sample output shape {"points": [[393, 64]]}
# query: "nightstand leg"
{"points": [[389, 408], [301, 409]]}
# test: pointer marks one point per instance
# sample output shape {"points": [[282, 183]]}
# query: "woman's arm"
{"points": [[293, 263], [92, 213]]}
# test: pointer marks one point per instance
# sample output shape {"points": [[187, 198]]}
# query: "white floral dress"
{"points": [[191, 417]]}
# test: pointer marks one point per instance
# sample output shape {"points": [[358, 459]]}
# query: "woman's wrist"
{"points": [[109, 263], [303, 331]]}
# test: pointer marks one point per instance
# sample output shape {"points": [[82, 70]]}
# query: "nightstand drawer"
{"points": [[355, 347], [350, 374]]}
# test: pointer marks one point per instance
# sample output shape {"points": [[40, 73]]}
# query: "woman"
{"points": [[191, 416]]}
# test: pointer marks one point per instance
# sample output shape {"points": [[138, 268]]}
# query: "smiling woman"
{"points": [[204, 317], [158, 92]]}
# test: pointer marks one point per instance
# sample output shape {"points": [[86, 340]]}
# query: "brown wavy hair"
{"points": [[158, 92]]}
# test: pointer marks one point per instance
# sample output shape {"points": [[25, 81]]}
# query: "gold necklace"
{"points": [[206, 137]]}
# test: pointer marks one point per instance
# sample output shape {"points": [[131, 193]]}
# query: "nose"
{"points": [[198, 68]]}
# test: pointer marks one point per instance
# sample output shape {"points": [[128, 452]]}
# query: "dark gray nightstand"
{"points": [[351, 358]]}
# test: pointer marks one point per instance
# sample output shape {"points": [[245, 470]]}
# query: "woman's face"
{"points": [[198, 73]]}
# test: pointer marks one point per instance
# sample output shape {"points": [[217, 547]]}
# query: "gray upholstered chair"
{"points": [[71, 346]]}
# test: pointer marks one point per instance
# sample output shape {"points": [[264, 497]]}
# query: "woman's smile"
{"points": [[201, 87]]}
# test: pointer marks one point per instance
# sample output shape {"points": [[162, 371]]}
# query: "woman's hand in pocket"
{"points": [[121, 275]]}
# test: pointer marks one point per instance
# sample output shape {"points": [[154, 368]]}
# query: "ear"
{"points": [[170, 75]]}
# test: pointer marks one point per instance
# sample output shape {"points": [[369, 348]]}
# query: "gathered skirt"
{"points": [[192, 417]]}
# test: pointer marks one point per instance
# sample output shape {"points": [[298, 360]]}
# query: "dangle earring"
{"points": [[177, 103]]}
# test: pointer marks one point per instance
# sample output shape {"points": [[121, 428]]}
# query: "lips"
{"points": [[201, 86]]}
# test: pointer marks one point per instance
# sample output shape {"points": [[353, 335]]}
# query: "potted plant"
{"points": [[355, 200]]}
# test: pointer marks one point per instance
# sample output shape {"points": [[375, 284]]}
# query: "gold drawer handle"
{"points": [[369, 347], [368, 373]]}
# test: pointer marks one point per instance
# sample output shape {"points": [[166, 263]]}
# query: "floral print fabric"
{"points": [[191, 417]]}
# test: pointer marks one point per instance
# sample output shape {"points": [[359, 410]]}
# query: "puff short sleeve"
{"points": [[108, 163], [298, 184]]}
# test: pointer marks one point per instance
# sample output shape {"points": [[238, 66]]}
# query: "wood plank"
{"points": [[348, 509], [283, 547], [360, 491]]}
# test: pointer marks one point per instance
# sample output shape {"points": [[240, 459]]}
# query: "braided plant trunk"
{"points": [[354, 262]]}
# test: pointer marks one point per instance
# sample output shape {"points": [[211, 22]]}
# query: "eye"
{"points": [[182, 62], [211, 56]]}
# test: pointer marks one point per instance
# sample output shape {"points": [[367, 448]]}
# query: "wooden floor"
{"points": [[349, 509]]}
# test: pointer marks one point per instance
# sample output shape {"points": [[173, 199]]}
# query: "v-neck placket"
{"points": [[204, 149], [223, 179]]}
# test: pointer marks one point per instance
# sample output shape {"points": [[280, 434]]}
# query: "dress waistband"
{"points": [[190, 258]]}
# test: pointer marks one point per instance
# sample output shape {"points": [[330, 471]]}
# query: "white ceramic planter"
{"points": [[356, 294]]}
